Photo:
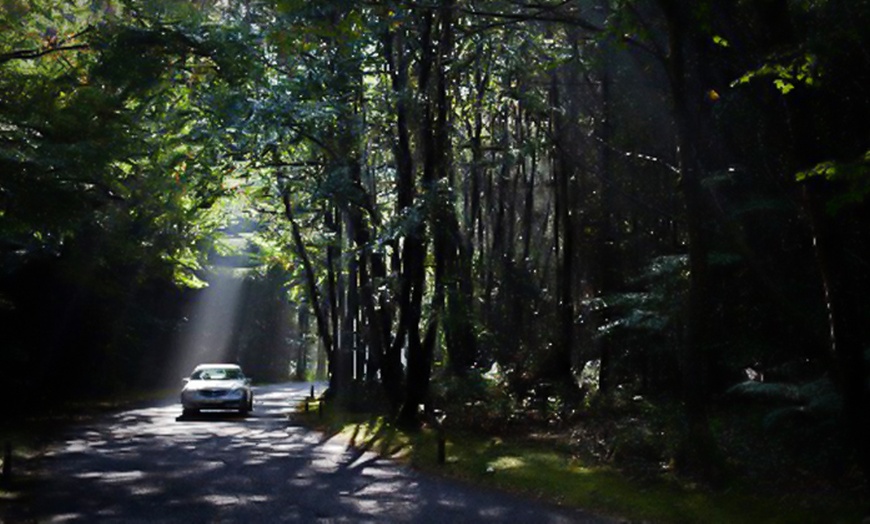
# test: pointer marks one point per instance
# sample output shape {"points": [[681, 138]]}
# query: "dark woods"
{"points": [[521, 213]]}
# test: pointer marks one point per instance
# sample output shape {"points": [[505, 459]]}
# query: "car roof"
{"points": [[217, 366]]}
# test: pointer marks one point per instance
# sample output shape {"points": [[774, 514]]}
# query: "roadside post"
{"points": [[440, 415]]}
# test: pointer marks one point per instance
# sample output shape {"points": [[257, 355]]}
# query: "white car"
{"points": [[217, 386]]}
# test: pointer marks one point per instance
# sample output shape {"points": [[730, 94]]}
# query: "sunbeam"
{"points": [[212, 321], [213, 317]]}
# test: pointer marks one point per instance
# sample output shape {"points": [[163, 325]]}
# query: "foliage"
{"points": [[646, 324], [477, 401], [817, 400], [799, 70], [446, 188], [110, 176], [851, 174], [548, 471], [665, 278]]}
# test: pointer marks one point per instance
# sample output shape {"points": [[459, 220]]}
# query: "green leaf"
{"points": [[786, 74], [720, 41], [784, 86], [852, 179]]}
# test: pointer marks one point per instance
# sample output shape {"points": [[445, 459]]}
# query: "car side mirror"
{"points": [[185, 380]]}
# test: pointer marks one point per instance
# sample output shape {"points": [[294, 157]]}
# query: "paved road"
{"points": [[148, 465]]}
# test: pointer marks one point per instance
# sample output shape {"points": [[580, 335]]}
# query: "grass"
{"points": [[547, 472]]}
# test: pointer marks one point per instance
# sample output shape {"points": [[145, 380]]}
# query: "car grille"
{"points": [[213, 393]]}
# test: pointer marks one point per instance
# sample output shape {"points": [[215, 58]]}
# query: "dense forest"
{"points": [[478, 206]]}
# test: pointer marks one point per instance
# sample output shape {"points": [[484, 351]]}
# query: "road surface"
{"points": [[149, 465]]}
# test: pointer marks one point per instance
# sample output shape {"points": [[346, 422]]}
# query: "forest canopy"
{"points": [[460, 203]]}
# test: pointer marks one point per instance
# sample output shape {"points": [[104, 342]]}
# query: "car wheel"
{"points": [[247, 407]]}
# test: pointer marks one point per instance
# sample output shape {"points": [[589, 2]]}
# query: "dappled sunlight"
{"points": [[378, 436], [112, 476], [149, 464], [507, 463]]}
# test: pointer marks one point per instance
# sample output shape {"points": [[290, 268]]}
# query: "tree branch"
{"points": [[54, 46], [32, 54]]}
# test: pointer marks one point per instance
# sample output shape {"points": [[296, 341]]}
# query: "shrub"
{"points": [[478, 401]]}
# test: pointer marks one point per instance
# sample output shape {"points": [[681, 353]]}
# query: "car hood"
{"points": [[195, 385]]}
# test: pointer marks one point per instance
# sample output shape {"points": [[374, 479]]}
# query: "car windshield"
{"points": [[217, 374]]}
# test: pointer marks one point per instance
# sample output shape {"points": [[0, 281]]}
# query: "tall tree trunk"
{"points": [[341, 371], [699, 453], [419, 359], [356, 271], [448, 308], [561, 361], [459, 327], [302, 346], [607, 232], [320, 314], [529, 202], [372, 269], [410, 265], [844, 288]]}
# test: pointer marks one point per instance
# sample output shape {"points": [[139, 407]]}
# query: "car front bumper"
{"points": [[214, 399]]}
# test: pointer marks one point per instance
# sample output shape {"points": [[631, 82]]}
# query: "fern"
{"points": [[818, 399], [655, 309], [766, 391]]}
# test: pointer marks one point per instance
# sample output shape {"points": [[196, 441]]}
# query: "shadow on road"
{"points": [[151, 465], [210, 416]]}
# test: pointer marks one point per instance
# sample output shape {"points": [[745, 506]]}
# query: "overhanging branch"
{"points": [[55, 46], [32, 54]]}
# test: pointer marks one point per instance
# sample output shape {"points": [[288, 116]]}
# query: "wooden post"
{"points": [[307, 402], [320, 409], [312, 391], [439, 417]]}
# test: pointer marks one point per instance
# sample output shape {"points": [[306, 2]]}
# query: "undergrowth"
{"points": [[614, 460]]}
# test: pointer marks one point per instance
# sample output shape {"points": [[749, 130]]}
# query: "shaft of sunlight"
{"points": [[209, 335]]}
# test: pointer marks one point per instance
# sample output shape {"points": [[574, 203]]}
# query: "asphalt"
{"points": [[150, 465]]}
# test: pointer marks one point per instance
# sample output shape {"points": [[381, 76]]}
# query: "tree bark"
{"points": [[320, 315], [561, 363], [458, 326], [340, 370], [302, 346], [699, 454], [419, 360], [607, 267], [844, 292], [409, 266]]}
